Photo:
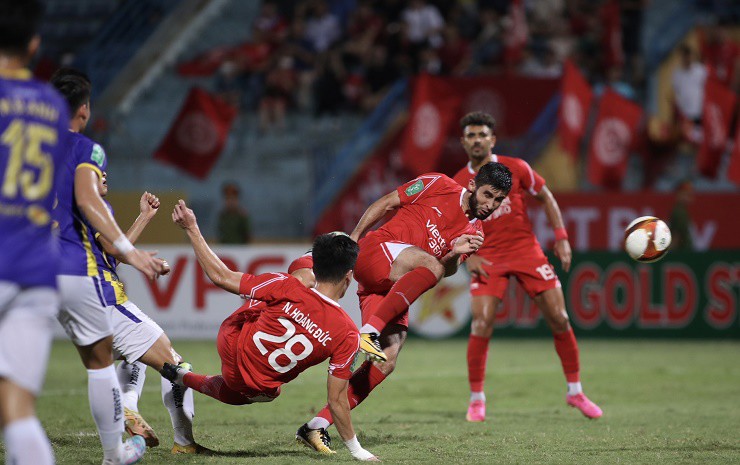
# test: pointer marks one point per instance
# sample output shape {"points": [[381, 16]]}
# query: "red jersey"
{"points": [[431, 215], [296, 328], [508, 229]]}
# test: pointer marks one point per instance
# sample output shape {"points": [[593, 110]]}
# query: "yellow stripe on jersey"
{"points": [[121, 296], [21, 74], [92, 167], [92, 265]]}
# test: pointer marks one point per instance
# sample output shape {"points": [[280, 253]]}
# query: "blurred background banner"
{"points": [[686, 295]]}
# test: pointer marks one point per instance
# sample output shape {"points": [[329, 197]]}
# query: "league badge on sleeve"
{"points": [[415, 188], [98, 155]]}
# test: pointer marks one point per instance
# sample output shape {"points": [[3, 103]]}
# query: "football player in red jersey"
{"points": [[436, 225], [510, 248], [283, 328]]}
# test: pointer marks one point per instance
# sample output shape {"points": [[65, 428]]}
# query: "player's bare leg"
{"points": [[363, 381], [104, 394], [552, 305], [414, 272], [481, 328]]}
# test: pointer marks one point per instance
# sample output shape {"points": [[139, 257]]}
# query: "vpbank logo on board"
{"points": [[443, 310]]}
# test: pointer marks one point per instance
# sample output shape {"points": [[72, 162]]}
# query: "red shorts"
{"points": [[371, 272], [534, 273], [227, 344]]}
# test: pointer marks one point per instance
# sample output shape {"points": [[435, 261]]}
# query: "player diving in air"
{"points": [[282, 329]]}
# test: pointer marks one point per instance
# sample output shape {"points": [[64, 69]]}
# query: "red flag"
{"points": [[611, 38], [719, 104], [197, 137], [733, 172], [574, 108], [615, 133], [434, 108]]}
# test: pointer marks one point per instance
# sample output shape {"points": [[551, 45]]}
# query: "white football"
{"points": [[647, 239]]}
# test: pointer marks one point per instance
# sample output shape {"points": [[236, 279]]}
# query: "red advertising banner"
{"points": [[719, 105], [615, 134], [574, 108], [198, 135], [596, 221]]}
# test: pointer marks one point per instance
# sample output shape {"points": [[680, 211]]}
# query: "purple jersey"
{"points": [[111, 286], [76, 235], [34, 122]]}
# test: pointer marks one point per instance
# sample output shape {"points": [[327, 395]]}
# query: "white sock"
{"points": [[26, 443], [131, 377], [366, 328], [318, 422], [104, 395], [180, 405], [574, 388], [477, 396]]}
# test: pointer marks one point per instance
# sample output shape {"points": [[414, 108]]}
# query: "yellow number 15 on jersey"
{"points": [[24, 141]]}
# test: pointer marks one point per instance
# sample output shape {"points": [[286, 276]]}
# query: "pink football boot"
{"points": [[476, 411], [582, 403]]}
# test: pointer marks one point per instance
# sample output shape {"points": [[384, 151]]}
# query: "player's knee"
{"points": [[386, 367], [559, 322], [481, 327], [433, 265]]}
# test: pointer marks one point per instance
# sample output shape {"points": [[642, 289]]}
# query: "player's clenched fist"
{"points": [[467, 243], [148, 204], [183, 216]]}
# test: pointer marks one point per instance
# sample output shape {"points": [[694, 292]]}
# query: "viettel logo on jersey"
{"points": [[443, 310]]}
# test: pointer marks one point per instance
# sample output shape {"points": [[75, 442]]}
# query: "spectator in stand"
{"points": [[456, 53], [489, 42], [688, 88], [545, 66], [330, 76], [304, 60], [233, 220], [230, 83], [322, 27], [423, 24], [380, 73], [280, 82], [273, 26], [363, 30], [429, 61], [680, 221]]}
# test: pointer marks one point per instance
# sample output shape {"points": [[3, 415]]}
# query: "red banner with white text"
{"points": [[615, 134]]}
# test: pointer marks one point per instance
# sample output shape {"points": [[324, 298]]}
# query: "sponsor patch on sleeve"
{"points": [[415, 188]]}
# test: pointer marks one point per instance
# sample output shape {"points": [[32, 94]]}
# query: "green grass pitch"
{"points": [[667, 402]]}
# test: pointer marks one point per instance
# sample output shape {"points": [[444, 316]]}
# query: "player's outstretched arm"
{"points": [[216, 270], [552, 210], [148, 207], [92, 206], [340, 411], [375, 212]]}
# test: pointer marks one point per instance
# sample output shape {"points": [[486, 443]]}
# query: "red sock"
{"points": [[364, 380], [215, 386], [403, 293], [477, 357], [567, 349]]}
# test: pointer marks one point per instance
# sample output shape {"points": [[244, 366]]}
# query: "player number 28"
{"points": [[24, 141], [291, 339]]}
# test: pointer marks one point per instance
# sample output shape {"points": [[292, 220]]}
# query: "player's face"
{"points": [[485, 200], [477, 142], [103, 185]]}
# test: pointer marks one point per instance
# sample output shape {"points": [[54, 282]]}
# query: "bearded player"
{"points": [[510, 248], [283, 329], [436, 225]]}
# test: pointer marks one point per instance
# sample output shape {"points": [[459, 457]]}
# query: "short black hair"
{"points": [[74, 86], [19, 22], [478, 118], [334, 255], [496, 175]]}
